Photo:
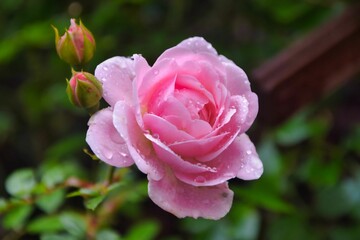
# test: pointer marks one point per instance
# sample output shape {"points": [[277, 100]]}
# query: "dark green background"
{"points": [[311, 184]]}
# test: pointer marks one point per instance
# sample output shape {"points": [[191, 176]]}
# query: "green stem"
{"points": [[110, 175]]}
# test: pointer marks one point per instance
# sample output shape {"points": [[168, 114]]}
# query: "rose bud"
{"points": [[84, 90], [77, 45]]}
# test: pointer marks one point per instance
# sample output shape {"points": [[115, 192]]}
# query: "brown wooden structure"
{"points": [[311, 68]]}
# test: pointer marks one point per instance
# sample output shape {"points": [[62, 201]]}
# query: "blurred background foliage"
{"points": [[51, 189]]}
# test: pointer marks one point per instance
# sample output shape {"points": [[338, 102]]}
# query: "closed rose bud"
{"points": [[77, 45], [84, 90]]}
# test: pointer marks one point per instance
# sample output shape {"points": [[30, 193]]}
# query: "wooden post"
{"points": [[311, 68]]}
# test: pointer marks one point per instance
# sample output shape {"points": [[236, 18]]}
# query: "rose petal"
{"points": [[160, 75], [194, 49], [236, 80], [105, 141], [252, 167], [167, 132], [185, 200], [166, 155], [116, 75], [197, 147], [233, 127], [238, 160], [139, 147], [253, 108]]}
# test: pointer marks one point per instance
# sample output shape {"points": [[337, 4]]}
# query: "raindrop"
{"points": [[103, 79], [200, 179], [108, 154], [248, 152], [105, 68], [124, 154]]}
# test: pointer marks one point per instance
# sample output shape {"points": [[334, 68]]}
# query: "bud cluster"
{"points": [[77, 47]]}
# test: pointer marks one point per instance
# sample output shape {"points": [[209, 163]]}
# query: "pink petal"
{"points": [[166, 155], [185, 200], [237, 81], [198, 44], [193, 50], [166, 131], [252, 167], [160, 75], [141, 68], [234, 118], [116, 75], [197, 147], [139, 147], [105, 141], [253, 108], [238, 160]]}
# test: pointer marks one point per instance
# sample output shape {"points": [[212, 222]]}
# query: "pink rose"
{"points": [[182, 122]]}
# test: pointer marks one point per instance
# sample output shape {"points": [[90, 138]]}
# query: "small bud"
{"points": [[77, 45], [84, 90]]}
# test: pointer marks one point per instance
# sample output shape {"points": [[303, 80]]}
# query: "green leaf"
{"points": [[16, 217], [107, 234], [51, 202], [3, 205], [45, 224], [51, 236], [144, 230], [93, 202], [265, 198], [20, 183], [293, 131], [74, 224]]}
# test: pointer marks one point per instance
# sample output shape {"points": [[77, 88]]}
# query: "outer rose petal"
{"points": [[139, 147], [185, 200], [236, 80], [106, 142], [238, 160], [116, 75], [251, 167]]}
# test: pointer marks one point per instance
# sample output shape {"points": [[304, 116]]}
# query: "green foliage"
{"points": [[52, 190], [21, 183]]}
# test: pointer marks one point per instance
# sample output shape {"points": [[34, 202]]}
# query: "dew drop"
{"points": [[124, 154], [200, 179], [103, 79], [105, 68], [248, 152], [108, 154]]}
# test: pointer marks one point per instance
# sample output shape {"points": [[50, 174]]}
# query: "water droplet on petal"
{"points": [[200, 179], [248, 152], [124, 154], [105, 68], [156, 72], [108, 154]]}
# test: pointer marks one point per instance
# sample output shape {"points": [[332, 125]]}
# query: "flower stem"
{"points": [[110, 175]]}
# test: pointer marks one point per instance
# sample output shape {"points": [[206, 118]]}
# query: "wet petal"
{"points": [[252, 167], [238, 160], [116, 75], [139, 147], [236, 79], [106, 142], [184, 200]]}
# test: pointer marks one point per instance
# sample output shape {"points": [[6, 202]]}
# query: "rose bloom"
{"points": [[182, 122]]}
